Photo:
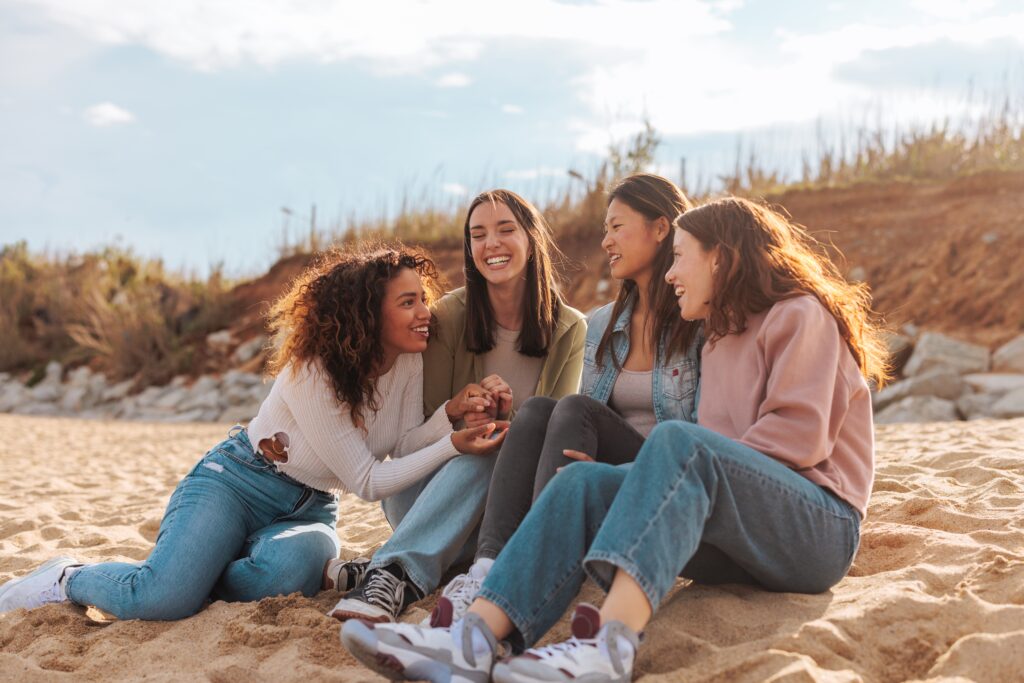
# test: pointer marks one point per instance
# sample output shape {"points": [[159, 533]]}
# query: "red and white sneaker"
{"points": [[602, 657]]}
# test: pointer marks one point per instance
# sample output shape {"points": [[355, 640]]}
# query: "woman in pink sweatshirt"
{"points": [[769, 487]]}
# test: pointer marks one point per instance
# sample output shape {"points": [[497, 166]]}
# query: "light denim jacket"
{"points": [[675, 380]]}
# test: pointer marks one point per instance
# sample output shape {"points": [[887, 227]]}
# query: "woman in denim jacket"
{"points": [[628, 387]]}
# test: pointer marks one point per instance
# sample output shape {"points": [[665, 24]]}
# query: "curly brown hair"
{"points": [[765, 258], [331, 315]]}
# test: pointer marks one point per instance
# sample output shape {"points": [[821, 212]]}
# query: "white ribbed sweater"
{"points": [[328, 452]]}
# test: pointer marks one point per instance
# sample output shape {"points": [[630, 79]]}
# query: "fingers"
{"points": [[577, 455]]}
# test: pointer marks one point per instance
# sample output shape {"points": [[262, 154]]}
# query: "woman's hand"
{"points": [[482, 440], [501, 394], [574, 455], [472, 399]]}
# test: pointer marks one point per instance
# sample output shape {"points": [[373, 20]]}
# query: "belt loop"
{"points": [[233, 432]]}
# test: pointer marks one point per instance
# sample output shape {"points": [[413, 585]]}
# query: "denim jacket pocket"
{"points": [[679, 380], [590, 370]]}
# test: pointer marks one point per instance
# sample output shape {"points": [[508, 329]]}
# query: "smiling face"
{"points": [[631, 241], [500, 246], [405, 318], [692, 275]]}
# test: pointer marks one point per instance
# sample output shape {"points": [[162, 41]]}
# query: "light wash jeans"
{"points": [[235, 529], [435, 521], [694, 503]]}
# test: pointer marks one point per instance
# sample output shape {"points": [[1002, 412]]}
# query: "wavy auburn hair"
{"points": [[542, 302], [332, 314], [653, 197], [764, 258]]}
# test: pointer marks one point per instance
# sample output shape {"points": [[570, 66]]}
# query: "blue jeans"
{"points": [[435, 520], [694, 503], [235, 529]]}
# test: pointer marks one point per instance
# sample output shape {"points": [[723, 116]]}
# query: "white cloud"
{"points": [[107, 114], [453, 80], [953, 9], [456, 189], [512, 109]]}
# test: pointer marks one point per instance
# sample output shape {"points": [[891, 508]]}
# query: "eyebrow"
{"points": [[506, 221], [405, 294]]}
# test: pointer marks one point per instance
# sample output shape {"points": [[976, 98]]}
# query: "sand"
{"points": [[936, 593]]}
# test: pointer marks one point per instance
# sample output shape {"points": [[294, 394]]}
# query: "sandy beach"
{"points": [[936, 593]]}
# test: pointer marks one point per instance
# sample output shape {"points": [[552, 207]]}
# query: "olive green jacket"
{"points": [[448, 365]]}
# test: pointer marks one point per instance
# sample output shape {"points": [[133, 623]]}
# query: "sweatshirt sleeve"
{"points": [[439, 362], [341, 445], [568, 381], [419, 434], [804, 390]]}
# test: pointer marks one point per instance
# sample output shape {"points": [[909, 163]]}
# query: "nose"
{"points": [[670, 276], [492, 239], [422, 312], [606, 241]]}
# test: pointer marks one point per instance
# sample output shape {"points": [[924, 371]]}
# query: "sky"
{"points": [[203, 131]]}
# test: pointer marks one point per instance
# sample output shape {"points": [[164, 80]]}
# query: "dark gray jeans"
{"points": [[532, 453]]}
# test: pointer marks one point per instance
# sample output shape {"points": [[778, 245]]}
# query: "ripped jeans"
{"points": [[235, 529]]}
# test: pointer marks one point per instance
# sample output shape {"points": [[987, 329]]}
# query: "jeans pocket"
{"points": [[238, 453]]}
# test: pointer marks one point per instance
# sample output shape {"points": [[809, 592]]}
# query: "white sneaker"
{"points": [[41, 587], [594, 660], [344, 575], [456, 598], [415, 653]]}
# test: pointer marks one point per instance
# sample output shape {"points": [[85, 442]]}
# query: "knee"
{"points": [[535, 410], [583, 479], [572, 408], [672, 440]]}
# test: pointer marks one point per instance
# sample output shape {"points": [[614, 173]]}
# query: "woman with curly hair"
{"points": [[256, 516], [768, 488], [508, 332]]}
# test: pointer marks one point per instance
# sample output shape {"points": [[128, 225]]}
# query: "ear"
{"points": [[662, 228], [716, 254]]}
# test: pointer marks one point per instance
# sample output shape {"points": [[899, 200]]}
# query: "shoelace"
{"points": [[385, 590], [567, 648], [461, 591]]}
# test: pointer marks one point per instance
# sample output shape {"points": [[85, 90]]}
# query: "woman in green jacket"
{"points": [[509, 334]]}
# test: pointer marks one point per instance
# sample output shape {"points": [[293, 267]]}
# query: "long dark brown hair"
{"points": [[332, 314], [764, 258], [653, 197], [542, 302]]}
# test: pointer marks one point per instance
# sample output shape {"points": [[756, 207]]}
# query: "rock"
{"points": [[44, 392], [940, 382], [911, 330], [171, 400], [602, 287], [1010, 356], [240, 413], [1010, 405], [149, 396], [117, 392], [994, 383], [211, 398], [79, 377], [237, 378], [975, 406], [900, 347], [179, 381], [937, 350], [990, 238], [220, 341], [857, 274], [918, 409], [36, 409], [12, 395], [259, 393], [247, 350], [53, 373], [75, 399]]}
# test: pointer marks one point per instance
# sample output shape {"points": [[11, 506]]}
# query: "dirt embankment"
{"points": [[944, 256]]}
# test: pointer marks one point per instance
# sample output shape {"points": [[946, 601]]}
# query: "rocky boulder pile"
{"points": [[234, 396], [946, 379]]}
